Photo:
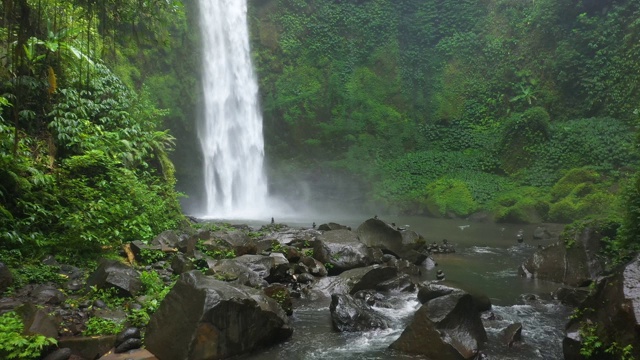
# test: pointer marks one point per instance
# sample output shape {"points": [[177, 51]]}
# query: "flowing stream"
{"points": [[230, 132], [486, 260]]}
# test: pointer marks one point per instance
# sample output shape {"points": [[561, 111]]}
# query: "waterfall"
{"points": [[230, 131]]}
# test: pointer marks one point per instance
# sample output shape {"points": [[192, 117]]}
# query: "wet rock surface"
{"points": [[204, 318]]}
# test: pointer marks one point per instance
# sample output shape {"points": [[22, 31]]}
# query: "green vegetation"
{"points": [[15, 345], [84, 160], [446, 108]]}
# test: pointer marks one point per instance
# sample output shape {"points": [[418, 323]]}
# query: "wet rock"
{"points": [[278, 259], [259, 264], [202, 318], [99, 304], [512, 334], [430, 290], [116, 275], [281, 295], [47, 295], [573, 263], [74, 285], [180, 263], [446, 327], [351, 314], [239, 241], [332, 226], [315, 267], [88, 347], [377, 233], [289, 236], [541, 233], [166, 240], [612, 311], [230, 270], [9, 304], [71, 272], [342, 250], [127, 345], [126, 334], [399, 283], [60, 354], [6, 278], [306, 278], [37, 321], [187, 244], [572, 296]]}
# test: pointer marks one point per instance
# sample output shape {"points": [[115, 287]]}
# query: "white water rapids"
{"points": [[230, 131]]}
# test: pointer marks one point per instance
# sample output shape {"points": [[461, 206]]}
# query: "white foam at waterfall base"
{"points": [[230, 131]]}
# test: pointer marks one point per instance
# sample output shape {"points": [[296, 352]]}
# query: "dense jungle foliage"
{"points": [[86, 92], [523, 110]]}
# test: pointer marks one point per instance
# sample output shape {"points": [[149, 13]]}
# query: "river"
{"points": [[486, 260]]}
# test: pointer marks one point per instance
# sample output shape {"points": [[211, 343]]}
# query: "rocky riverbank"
{"points": [[213, 291]]}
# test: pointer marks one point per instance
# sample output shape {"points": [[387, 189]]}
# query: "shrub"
{"points": [[572, 179], [521, 205], [15, 345], [520, 136], [450, 196]]}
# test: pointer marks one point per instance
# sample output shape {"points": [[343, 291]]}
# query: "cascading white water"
{"points": [[230, 132]]}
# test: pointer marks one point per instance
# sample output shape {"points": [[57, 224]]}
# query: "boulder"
{"points": [[6, 278], [351, 314], [377, 233], [401, 282], [47, 295], [126, 334], [572, 296], [433, 289], [573, 262], [236, 272], [541, 233], [180, 263], [444, 328], [37, 321], [332, 226], [187, 244], [88, 347], [611, 312], [59, 354], [281, 295], [340, 250], [202, 318], [315, 267], [512, 334], [116, 275], [259, 264], [289, 236], [237, 240], [166, 240]]}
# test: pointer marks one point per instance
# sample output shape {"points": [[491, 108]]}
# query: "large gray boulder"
{"points": [[611, 312], [340, 250], [376, 233], [205, 319], [260, 264], [574, 261], [444, 328], [236, 272], [116, 275], [354, 314], [406, 244], [239, 241]]}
